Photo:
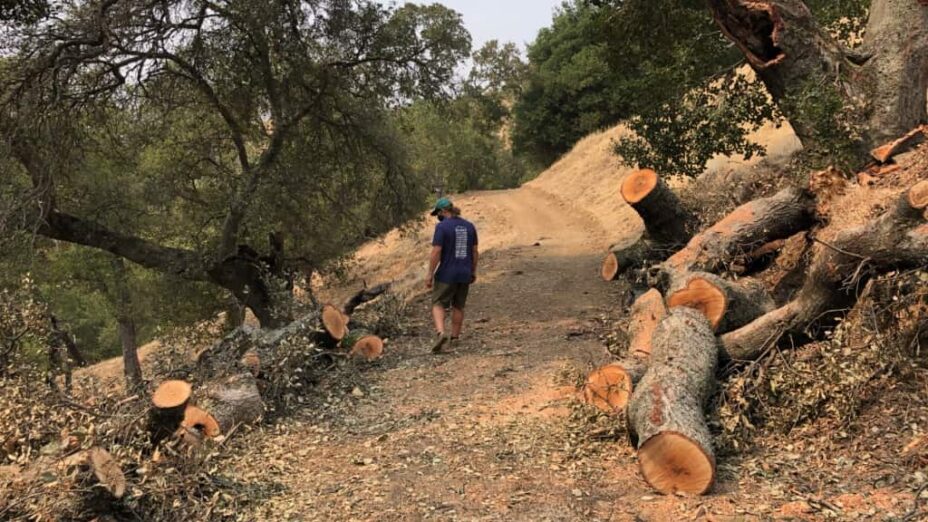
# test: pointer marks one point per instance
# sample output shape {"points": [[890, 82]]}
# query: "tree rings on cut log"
{"points": [[334, 321], [610, 267], [171, 394], [918, 195], [638, 185], [199, 420], [727, 305], [647, 311], [364, 346], [702, 295], [608, 388], [672, 462]]}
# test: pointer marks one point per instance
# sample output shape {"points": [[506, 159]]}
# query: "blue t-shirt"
{"points": [[457, 238]]}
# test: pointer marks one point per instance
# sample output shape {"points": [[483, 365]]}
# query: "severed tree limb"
{"points": [[726, 304], [665, 219], [365, 295], [898, 238], [747, 227]]}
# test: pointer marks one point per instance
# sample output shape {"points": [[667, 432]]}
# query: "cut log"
{"points": [[897, 239], [725, 304], [918, 195], [745, 229], [624, 255], [169, 403], [107, 471], [199, 420], [234, 400], [647, 311], [363, 345], [912, 138], [609, 387], [665, 413], [664, 217]]}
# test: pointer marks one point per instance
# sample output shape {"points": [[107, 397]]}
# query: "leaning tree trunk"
{"points": [[789, 51], [665, 413], [898, 238]]}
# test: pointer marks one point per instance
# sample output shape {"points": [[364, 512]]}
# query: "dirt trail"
{"points": [[484, 433]]}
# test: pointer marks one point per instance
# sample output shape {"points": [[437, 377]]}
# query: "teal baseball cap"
{"points": [[441, 204]]}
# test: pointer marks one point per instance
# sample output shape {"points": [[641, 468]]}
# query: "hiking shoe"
{"points": [[439, 342]]}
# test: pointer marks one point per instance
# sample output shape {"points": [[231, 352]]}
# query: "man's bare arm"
{"points": [[434, 259], [473, 268]]}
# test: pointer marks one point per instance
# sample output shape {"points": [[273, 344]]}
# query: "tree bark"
{"points": [[898, 238], [125, 324], [746, 228], [789, 50], [632, 252], [665, 413], [234, 400]]}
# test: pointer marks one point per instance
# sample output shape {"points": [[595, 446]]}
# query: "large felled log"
{"points": [[200, 421], [234, 400], [168, 405], [727, 305], [898, 238], [746, 228], [646, 313], [628, 253], [665, 413], [609, 387], [664, 217]]}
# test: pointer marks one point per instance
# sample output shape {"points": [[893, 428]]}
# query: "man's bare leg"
{"points": [[438, 316], [457, 322]]}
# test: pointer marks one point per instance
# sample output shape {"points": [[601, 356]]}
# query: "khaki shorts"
{"points": [[450, 294]]}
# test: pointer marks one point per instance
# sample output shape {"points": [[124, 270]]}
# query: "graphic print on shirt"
{"points": [[460, 242]]}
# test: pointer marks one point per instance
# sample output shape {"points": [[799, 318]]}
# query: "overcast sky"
{"points": [[505, 20]]}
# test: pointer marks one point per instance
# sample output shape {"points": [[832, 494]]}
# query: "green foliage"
{"points": [[834, 139], [681, 136]]}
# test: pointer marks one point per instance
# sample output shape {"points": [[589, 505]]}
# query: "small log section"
{"points": [[725, 304], [609, 387], [107, 471], [749, 226], [646, 313], [897, 239], [199, 421], [624, 255], [334, 326], [664, 217], [912, 138], [665, 413], [363, 345], [169, 402]]}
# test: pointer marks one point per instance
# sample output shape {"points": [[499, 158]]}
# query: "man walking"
{"points": [[452, 269]]}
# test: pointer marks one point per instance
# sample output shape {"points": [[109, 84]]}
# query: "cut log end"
{"points": [[610, 267], [171, 394], [918, 195], [107, 471], [608, 388], [334, 321], [368, 348], [638, 185], [200, 420], [704, 296], [673, 463]]}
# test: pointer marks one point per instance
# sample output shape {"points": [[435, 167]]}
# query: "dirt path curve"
{"points": [[482, 433]]}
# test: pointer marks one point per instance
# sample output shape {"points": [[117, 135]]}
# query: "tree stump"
{"points": [[665, 412], [168, 405]]}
